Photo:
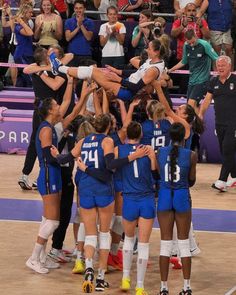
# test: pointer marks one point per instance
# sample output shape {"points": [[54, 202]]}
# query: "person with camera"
{"points": [[189, 20]]}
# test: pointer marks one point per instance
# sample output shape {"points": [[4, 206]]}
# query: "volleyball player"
{"points": [[138, 206], [177, 166], [120, 82]]}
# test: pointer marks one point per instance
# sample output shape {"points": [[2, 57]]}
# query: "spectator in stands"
{"points": [[127, 6], [112, 37], [24, 49], [179, 6], [8, 21], [234, 31], [102, 6], [48, 25], [141, 35], [219, 17], [79, 32], [166, 7], [61, 7], [186, 22]]}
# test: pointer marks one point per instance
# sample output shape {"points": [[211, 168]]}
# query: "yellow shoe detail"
{"points": [[125, 284], [79, 266], [140, 291]]}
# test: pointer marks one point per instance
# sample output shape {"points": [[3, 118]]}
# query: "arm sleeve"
{"points": [[47, 155], [63, 159], [112, 163], [134, 87], [127, 73], [155, 174], [102, 175]]}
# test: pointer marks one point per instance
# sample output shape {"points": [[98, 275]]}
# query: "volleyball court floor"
{"points": [[214, 219]]}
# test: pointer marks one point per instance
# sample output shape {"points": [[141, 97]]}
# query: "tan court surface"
{"points": [[213, 271]]}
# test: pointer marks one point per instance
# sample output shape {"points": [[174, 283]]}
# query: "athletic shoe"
{"points": [[231, 182], [88, 286], [58, 256], [140, 291], [68, 252], [24, 182], [101, 285], [176, 262], [50, 264], [135, 250], [79, 266], [125, 284], [164, 292], [187, 292], [55, 63], [35, 185], [114, 262], [219, 185], [36, 266], [195, 251]]}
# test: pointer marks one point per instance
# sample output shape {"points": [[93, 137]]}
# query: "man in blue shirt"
{"points": [[79, 33]]}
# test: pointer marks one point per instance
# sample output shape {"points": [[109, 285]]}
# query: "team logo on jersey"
{"points": [[93, 137], [216, 87], [231, 86], [157, 125], [134, 147]]}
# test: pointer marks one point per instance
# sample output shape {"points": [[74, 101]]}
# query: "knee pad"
{"points": [[48, 228], [184, 248], [81, 233], [129, 243], [117, 226], [91, 241], [104, 240], [77, 217], [84, 72], [166, 248], [143, 251]]}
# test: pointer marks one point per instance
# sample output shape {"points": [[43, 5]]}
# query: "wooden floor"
{"points": [[213, 271]]}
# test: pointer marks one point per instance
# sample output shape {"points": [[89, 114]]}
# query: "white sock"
{"points": [[101, 274], [187, 285], [36, 251], [43, 254], [89, 263], [192, 240], [79, 255], [128, 257], [63, 69], [164, 285], [143, 254], [114, 248]]}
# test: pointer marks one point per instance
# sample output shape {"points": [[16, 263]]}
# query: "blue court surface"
{"points": [[203, 219]]}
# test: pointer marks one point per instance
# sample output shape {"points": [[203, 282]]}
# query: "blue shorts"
{"points": [[118, 186], [141, 207], [179, 202], [89, 202], [125, 94], [49, 180]]}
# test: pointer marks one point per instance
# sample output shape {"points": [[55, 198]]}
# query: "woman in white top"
{"points": [[48, 25], [112, 37]]}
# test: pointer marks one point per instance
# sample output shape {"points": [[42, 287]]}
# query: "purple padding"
{"points": [[16, 94], [18, 113]]}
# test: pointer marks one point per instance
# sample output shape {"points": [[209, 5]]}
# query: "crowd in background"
{"points": [[27, 24]]}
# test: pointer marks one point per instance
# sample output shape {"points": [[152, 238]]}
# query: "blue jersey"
{"points": [[156, 134], [42, 160], [117, 175], [93, 156], [136, 176], [188, 141], [181, 174]]}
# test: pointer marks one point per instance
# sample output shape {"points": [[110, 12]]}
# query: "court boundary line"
{"points": [[230, 292], [154, 228]]}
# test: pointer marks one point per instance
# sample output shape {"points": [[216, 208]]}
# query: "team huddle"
{"points": [[125, 176]]}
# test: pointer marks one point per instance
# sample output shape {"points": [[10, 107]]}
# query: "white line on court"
{"points": [[231, 291]]}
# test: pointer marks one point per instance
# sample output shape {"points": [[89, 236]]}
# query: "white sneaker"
{"points": [[219, 185], [58, 256], [50, 264], [231, 182], [24, 182], [36, 266], [195, 252]]}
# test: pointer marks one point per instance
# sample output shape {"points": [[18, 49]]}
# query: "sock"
{"points": [[63, 69], [89, 263], [36, 251], [43, 254], [192, 240], [187, 285], [101, 274], [143, 254], [79, 255], [114, 248], [164, 285]]}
